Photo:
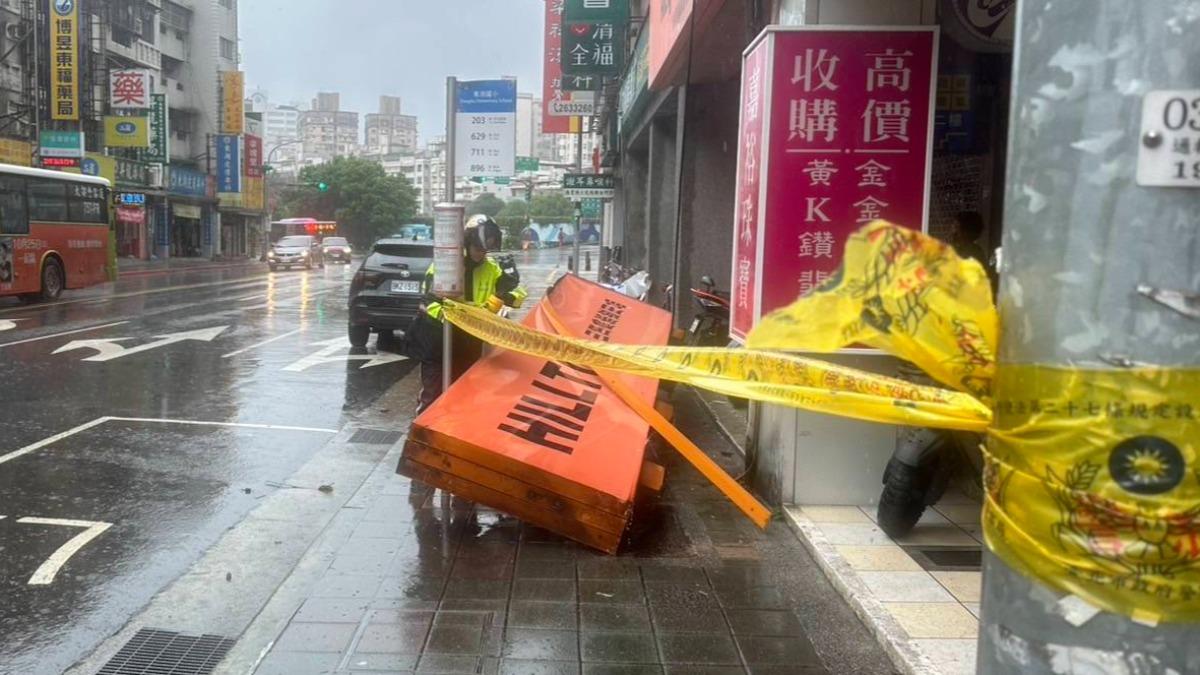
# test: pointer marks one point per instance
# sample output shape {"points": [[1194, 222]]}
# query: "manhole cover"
{"points": [[946, 558], [154, 651], [376, 436]]}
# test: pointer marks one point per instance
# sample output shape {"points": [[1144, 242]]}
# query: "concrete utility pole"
{"points": [[1084, 244], [578, 265]]}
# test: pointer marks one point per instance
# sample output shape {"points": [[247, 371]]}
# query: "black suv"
{"points": [[387, 290]]}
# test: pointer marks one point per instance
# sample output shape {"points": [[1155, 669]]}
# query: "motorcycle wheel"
{"points": [[906, 492]]}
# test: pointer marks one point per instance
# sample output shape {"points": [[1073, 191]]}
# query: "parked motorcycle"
{"points": [[921, 468], [710, 327]]}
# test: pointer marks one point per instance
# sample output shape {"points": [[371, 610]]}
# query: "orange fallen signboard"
{"points": [[547, 442]]}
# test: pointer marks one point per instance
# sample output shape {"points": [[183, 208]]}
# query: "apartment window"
{"points": [[227, 4], [228, 50]]}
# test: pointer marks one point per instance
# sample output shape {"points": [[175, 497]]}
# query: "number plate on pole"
{"points": [[1169, 147]]}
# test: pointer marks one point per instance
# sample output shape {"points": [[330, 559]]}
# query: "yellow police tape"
{"points": [[906, 293], [1091, 477], [1092, 485], [762, 376]]}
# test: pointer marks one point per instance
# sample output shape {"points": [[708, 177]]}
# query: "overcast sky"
{"points": [[364, 48]]}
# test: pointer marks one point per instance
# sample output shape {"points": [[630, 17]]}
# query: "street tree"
{"points": [[551, 208], [512, 219], [365, 201], [487, 204]]}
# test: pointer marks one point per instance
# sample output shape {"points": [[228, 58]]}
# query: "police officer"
{"points": [[490, 284]]}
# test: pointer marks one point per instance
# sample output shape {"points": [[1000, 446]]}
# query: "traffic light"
{"points": [[323, 187]]}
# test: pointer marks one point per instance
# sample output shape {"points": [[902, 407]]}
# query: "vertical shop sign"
{"points": [[593, 48], [64, 60], [848, 138], [486, 128], [233, 96], [552, 90], [747, 245], [229, 165], [254, 156], [160, 148], [129, 89]]}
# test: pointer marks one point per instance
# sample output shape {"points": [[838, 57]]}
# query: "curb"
{"points": [[891, 637]]}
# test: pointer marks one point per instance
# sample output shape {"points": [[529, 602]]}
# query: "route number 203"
{"points": [[1169, 149]]}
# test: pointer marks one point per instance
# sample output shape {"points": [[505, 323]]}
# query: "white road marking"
{"points": [[247, 282], [69, 332], [329, 354], [34, 447], [239, 425], [108, 349], [248, 298], [45, 573], [256, 345], [8, 324]]}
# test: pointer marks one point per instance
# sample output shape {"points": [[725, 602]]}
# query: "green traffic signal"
{"points": [[323, 187]]}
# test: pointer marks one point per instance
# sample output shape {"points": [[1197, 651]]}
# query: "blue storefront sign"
{"points": [[162, 231], [188, 182], [229, 164]]}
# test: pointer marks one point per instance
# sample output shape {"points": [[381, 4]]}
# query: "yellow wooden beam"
{"points": [[737, 494]]}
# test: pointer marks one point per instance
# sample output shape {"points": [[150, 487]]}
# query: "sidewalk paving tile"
{"points": [[621, 669], [458, 665], [618, 648], [393, 638], [546, 590], [549, 615], [613, 617], [316, 637], [366, 661], [715, 649], [616, 591], [298, 663], [541, 645], [528, 667], [332, 610], [775, 623]]}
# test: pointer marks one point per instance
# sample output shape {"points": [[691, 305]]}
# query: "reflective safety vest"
{"points": [[485, 282]]}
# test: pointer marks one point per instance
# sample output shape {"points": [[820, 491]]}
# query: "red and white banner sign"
{"points": [[131, 215], [129, 89], [254, 156], [552, 94], [836, 131]]}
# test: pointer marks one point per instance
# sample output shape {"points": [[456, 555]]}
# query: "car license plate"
{"points": [[695, 325], [406, 286]]}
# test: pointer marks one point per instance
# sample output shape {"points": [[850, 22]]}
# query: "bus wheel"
{"points": [[52, 280]]}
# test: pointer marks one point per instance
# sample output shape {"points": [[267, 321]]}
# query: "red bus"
{"points": [[54, 232]]}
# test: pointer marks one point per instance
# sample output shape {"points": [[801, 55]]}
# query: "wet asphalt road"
{"points": [[140, 420]]}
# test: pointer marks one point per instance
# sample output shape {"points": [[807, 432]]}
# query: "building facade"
{"points": [[389, 131], [158, 60], [327, 131]]}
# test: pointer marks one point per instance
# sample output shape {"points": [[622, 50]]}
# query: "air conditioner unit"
{"points": [[155, 176]]}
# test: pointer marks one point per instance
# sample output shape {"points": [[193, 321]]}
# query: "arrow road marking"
{"points": [[330, 355], [46, 572], [8, 324], [109, 349]]}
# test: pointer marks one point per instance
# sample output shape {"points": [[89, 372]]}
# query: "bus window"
{"points": [[14, 219], [47, 200], [86, 211]]}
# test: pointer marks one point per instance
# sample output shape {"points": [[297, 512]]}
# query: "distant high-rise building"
{"points": [[327, 102], [327, 130], [390, 132], [281, 131]]}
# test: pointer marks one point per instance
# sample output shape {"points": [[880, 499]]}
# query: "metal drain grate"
{"points": [[153, 651], [946, 558], [376, 436]]}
